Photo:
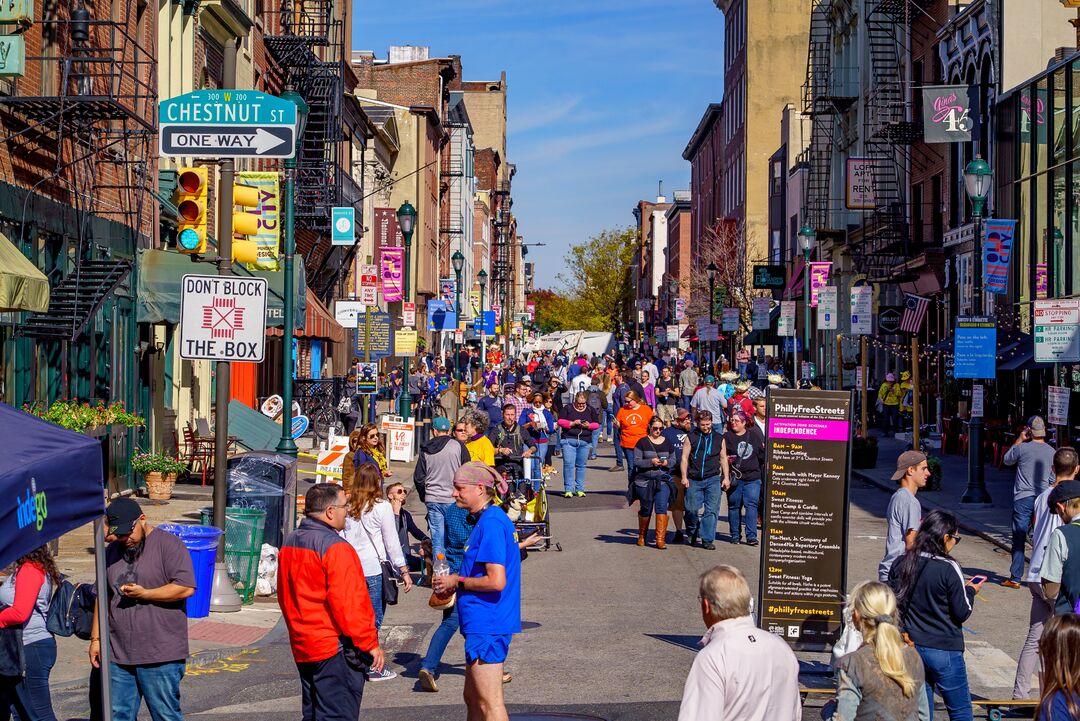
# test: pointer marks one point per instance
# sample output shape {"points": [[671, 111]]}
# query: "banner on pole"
{"points": [[268, 239], [448, 289], [997, 248], [392, 265], [819, 278]]}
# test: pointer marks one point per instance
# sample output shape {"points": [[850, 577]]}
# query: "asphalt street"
{"points": [[610, 629]]}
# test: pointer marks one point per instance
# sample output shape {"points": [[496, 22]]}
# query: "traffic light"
{"points": [[190, 199], [245, 224]]}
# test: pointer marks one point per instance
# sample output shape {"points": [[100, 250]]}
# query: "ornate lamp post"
{"points": [[458, 261], [481, 278], [807, 241], [406, 217]]}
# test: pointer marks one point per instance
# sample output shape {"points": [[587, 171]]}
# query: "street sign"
{"points": [[227, 124], [862, 317], [222, 318], [1057, 405], [346, 312], [785, 325], [408, 314], [975, 348], [826, 308], [369, 295], [485, 324], [769, 277], [760, 316], [405, 343], [367, 377], [889, 319], [342, 226], [731, 319], [1057, 331], [369, 275], [379, 345]]}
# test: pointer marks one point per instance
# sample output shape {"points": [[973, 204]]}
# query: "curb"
{"points": [[960, 518], [195, 660]]}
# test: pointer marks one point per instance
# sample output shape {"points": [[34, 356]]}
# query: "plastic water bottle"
{"points": [[440, 567]]}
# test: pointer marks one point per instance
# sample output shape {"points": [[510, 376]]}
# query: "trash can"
{"points": [[266, 481], [201, 542], [243, 546]]}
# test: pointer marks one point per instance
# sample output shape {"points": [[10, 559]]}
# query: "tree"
{"points": [[553, 312], [724, 245], [598, 289]]}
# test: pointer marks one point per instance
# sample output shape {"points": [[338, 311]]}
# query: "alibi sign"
{"points": [[227, 124]]}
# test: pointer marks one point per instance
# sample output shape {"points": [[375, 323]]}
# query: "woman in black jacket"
{"points": [[934, 602]]}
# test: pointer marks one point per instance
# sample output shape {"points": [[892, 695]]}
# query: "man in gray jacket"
{"points": [[434, 478]]}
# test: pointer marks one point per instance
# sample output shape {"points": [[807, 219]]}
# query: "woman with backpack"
{"points": [[935, 601], [25, 596]]}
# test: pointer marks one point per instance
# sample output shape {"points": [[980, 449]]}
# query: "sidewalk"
{"points": [[993, 522]]}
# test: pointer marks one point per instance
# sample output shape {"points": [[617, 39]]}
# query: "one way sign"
{"points": [[223, 141]]}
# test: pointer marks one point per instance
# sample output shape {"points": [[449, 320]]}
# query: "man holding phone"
{"points": [[1034, 461]]}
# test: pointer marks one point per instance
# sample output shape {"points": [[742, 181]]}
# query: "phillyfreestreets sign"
{"points": [[222, 318], [227, 124], [804, 550]]}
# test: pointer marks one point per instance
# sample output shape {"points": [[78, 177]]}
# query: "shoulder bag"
{"points": [[390, 575]]}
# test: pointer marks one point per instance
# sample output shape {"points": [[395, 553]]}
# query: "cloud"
{"points": [[560, 146], [546, 114]]}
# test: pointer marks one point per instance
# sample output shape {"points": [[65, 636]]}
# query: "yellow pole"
{"points": [[915, 393]]}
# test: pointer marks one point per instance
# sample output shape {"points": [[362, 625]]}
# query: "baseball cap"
{"points": [[906, 460], [480, 474], [1038, 427], [123, 514], [442, 423], [526, 379], [1063, 491], [890, 378], [682, 414], [710, 379]]}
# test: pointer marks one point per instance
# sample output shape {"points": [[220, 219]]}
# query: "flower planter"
{"points": [[864, 456], [159, 487]]}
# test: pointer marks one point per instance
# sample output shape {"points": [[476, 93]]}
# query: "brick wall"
{"points": [[930, 190], [486, 163]]}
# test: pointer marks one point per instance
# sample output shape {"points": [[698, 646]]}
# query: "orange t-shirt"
{"points": [[633, 424]]}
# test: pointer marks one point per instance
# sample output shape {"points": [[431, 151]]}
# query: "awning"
{"points": [[22, 285], [1021, 358], [794, 288], [158, 288], [318, 323]]}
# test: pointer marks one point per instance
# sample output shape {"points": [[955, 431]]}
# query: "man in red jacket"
{"points": [[327, 609]]}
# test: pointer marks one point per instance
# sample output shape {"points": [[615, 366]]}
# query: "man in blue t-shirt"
{"points": [[488, 589]]}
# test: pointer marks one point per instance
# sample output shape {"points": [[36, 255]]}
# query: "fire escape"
{"points": [[84, 117], [305, 38], [889, 132], [826, 101], [500, 261]]}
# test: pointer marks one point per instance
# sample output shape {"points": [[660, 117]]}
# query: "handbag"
{"points": [[344, 405], [390, 575]]}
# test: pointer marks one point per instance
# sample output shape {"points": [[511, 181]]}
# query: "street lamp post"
{"points": [[286, 444], [711, 270], [481, 278], [406, 217], [977, 180], [807, 239], [459, 262]]}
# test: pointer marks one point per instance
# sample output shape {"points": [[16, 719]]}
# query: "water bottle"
{"points": [[440, 567]]}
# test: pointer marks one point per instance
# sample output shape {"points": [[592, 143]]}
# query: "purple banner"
{"points": [[1042, 279], [809, 430], [819, 278], [391, 263], [997, 248]]}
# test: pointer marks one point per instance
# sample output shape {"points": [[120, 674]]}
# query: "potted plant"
{"points": [[934, 464], [160, 472], [83, 417], [864, 452]]}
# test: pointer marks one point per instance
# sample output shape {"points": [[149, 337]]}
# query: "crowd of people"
{"points": [[687, 435]]}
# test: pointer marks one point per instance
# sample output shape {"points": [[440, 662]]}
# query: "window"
{"points": [[917, 215], [936, 210]]}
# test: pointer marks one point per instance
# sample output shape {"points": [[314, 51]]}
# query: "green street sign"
{"points": [[227, 124]]}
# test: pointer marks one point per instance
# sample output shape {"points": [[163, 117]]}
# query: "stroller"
{"points": [[526, 501]]}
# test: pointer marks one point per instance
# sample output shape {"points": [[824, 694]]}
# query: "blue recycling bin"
{"points": [[201, 543]]}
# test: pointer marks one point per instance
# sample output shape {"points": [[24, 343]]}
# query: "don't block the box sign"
{"points": [[12, 56]]}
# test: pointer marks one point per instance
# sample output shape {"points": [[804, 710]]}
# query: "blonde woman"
{"points": [[884, 676]]}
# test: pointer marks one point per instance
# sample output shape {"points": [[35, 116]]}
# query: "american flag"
{"points": [[915, 307]]}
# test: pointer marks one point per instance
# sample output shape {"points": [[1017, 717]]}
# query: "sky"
{"points": [[603, 97]]}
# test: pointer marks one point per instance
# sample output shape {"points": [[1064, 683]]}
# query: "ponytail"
{"points": [[876, 605]]}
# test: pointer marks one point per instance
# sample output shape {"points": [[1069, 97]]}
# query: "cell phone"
{"points": [[976, 580]]}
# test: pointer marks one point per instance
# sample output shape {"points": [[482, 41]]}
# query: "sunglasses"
{"points": [[954, 537], [459, 430]]}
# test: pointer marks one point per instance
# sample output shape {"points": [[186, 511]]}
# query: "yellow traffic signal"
{"points": [[245, 224], [190, 199]]}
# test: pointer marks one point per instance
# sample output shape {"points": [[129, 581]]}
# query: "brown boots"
{"points": [[642, 528], [661, 531]]}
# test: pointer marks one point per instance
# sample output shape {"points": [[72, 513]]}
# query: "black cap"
{"points": [[123, 514], [1063, 491]]}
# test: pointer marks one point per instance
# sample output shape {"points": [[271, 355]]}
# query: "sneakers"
{"points": [[1009, 583], [752, 542], [615, 468], [678, 537], [568, 494], [592, 456], [427, 681], [385, 675], [581, 494], [709, 546]]}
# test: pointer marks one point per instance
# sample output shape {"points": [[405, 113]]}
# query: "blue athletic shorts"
{"points": [[486, 647]]}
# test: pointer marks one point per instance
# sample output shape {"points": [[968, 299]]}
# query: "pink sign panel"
{"points": [[819, 278], [1042, 279], [391, 266]]}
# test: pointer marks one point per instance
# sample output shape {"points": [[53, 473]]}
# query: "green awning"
{"points": [[22, 285], [158, 289]]}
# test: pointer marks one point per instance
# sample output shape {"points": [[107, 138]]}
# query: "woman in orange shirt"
{"points": [[632, 420]]}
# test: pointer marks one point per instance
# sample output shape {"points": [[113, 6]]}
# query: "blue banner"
{"points": [[487, 325], [441, 315], [975, 348], [997, 248]]}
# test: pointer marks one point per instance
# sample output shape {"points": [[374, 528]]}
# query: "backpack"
{"points": [[71, 610], [595, 398]]}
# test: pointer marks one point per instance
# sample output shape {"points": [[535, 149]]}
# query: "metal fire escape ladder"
{"points": [[76, 300], [500, 265]]}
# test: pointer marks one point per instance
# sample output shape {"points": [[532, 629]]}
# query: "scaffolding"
{"points": [[80, 125]]}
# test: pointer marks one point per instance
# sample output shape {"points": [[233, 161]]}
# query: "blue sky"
{"points": [[604, 95]]}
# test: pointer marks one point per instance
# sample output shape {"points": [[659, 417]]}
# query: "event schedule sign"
{"points": [[975, 348], [803, 575]]}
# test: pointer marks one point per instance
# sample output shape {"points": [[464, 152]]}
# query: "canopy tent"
{"points": [[22, 285], [56, 478]]}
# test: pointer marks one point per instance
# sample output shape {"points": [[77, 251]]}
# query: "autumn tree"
{"points": [[597, 286], [724, 245], [553, 312]]}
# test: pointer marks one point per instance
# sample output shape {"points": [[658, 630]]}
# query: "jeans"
{"points": [[654, 498], [156, 683], [684, 401], [745, 494], [1023, 508], [331, 689], [1041, 611], [609, 421], [29, 695], [575, 454], [542, 452], [702, 491], [618, 448], [627, 455], [946, 671], [595, 443], [374, 589], [439, 639], [436, 521], [890, 419]]}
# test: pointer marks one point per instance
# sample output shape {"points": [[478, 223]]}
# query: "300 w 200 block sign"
{"points": [[222, 318]]}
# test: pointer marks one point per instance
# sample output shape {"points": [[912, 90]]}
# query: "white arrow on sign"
{"points": [[226, 141]]}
